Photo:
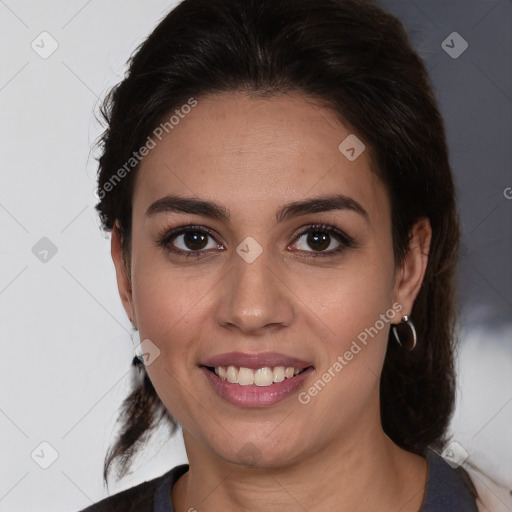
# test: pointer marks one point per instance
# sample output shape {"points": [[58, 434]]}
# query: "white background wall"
{"points": [[65, 340]]}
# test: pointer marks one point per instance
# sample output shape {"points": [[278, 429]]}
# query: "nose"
{"points": [[254, 298]]}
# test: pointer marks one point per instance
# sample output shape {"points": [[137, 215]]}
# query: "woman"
{"points": [[284, 230]]}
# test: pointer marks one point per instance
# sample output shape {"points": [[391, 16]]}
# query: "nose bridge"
{"points": [[253, 298]]}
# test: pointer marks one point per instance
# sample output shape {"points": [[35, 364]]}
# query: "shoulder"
{"points": [[492, 495], [139, 498], [448, 488]]}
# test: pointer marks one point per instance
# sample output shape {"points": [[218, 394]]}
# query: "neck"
{"points": [[367, 471]]}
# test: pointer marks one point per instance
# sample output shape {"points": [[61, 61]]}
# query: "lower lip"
{"points": [[255, 396]]}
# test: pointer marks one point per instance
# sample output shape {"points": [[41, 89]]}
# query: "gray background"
{"points": [[65, 339]]}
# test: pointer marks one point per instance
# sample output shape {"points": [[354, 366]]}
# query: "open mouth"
{"points": [[263, 377]]}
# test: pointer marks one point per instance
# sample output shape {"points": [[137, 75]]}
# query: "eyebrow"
{"points": [[177, 204]]}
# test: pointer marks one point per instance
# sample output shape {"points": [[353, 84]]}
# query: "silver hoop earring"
{"points": [[405, 334], [137, 357]]}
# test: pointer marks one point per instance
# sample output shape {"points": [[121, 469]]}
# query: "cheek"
{"points": [[168, 307], [350, 298], [333, 308], [352, 311], [169, 312], [175, 305], [171, 306], [166, 295]]}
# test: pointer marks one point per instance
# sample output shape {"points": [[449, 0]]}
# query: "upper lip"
{"points": [[255, 361]]}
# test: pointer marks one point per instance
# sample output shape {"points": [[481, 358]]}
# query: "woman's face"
{"points": [[252, 285]]}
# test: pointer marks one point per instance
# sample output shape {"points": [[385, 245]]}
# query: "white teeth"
{"points": [[232, 374], [245, 377], [261, 377], [288, 373], [279, 374]]}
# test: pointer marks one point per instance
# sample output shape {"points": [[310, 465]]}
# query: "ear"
{"points": [[122, 274], [410, 276]]}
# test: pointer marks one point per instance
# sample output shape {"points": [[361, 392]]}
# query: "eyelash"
{"points": [[346, 241]]}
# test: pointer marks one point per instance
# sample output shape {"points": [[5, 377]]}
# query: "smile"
{"points": [[262, 377], [255, 380]]}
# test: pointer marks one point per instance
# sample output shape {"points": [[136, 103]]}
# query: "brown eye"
{"points": [[192, 240], [318, 240], [189, 241], [322, 240], [195, 240]]}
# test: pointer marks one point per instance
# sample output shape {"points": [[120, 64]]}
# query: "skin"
{"points": [[252, 156]]}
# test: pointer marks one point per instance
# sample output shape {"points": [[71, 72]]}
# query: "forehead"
{"points": [[241, 150]]}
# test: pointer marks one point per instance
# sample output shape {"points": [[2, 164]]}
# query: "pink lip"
{"points": [[255, 361], [255, 396]]}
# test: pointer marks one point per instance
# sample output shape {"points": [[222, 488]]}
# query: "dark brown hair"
{"points": [[356, 59]]}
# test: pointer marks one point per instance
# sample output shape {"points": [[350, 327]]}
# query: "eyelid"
{"points": [[167, 235], [328, 228]]}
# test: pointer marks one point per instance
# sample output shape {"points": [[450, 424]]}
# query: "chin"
{"points": [[265, 453]]}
